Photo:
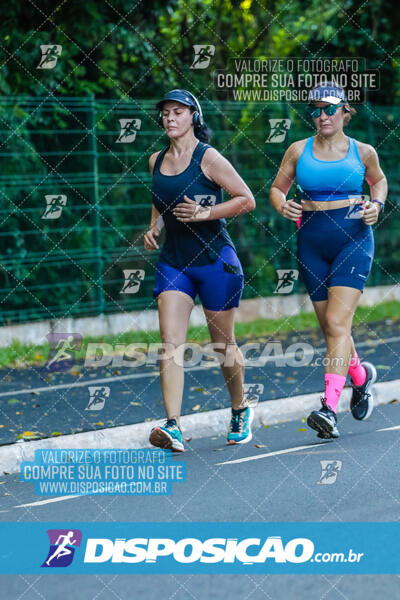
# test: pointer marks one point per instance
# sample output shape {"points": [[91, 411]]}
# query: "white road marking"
{"points": [[48, 501], [288, 450], [389, 428], [77, 384], [275, 357], [258, 456], [228, 462]]}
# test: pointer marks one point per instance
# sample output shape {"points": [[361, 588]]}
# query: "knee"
{"points": [[336, 326], [229, 354], [172, 337]]}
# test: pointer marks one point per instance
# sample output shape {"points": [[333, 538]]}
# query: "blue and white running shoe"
{"points": [[168, 436], [239, 431]]}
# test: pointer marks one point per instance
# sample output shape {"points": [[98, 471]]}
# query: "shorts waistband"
{"points": [[310, 205]]}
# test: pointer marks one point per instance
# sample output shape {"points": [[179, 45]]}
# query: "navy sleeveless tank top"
{"points": [[330, 180], [189, 244]]}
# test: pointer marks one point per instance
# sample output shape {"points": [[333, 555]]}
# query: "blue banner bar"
{"points": [[193, 548]]}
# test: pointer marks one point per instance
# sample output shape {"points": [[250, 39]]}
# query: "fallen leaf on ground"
{"points": [[28, 435]]}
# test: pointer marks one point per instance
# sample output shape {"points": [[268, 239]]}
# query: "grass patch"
{"points": [[19, 355]]}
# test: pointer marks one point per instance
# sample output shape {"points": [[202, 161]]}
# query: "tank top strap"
{"points": [[308, 145], [353, 150], [199, 152], [159, 159]]}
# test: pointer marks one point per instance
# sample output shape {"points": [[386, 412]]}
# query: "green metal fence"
{"points": [[72, 265]]}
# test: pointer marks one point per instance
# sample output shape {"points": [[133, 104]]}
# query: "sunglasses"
{"points": [[329, 110]]}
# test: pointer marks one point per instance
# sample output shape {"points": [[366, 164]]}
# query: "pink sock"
{"points": [[333, 388], [356, 371]]}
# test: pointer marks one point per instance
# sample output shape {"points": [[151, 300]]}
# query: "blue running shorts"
{"points": [[218, 284], [333, 252]]}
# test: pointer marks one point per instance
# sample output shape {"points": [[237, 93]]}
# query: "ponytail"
{"points": [[203, 133]]}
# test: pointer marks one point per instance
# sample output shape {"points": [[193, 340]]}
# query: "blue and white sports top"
{"points": [[330, 179]]}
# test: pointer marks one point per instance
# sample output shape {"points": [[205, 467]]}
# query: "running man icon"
{"points": [[286, 280], [64, 350], [203, 55], [62, 549], [50, 55], [279, 129], [63, 347], [330, 469], [62, 542]]}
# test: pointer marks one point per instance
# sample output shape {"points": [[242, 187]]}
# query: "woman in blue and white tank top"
{"points": [[198, 257], [335, 244]]}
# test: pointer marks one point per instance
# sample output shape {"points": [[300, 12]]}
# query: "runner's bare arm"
{"points": [[376, 180], [283, 182], [374, 175], [219, 169], [156, 220]]}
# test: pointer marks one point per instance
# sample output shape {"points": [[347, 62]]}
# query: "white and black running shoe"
{"points": [[362, 400], [324, 421]]}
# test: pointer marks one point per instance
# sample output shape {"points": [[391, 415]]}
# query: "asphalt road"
{"points": [[47, 404], [278, 487]]}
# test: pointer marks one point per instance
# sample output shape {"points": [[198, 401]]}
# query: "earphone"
{"points": [[198, 119]]}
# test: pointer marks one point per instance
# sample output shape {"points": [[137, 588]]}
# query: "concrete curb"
{"points": [[269, 307], [196, 426]]}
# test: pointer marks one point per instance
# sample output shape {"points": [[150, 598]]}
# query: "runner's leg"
{"points": [[174, 309], [221, 328], [341, 305], [320, 310]]}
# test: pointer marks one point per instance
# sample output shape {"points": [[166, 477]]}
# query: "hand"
{"points": [[191, 211], [291, 210], [370, 212], [150, 241]]}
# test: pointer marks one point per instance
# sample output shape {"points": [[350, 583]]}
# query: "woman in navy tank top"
{"points": [[335, 244], [198, 257]]}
